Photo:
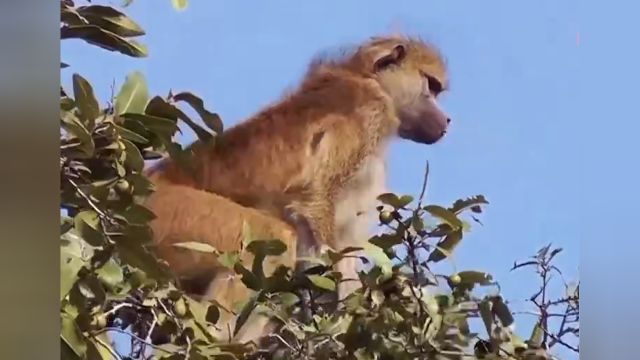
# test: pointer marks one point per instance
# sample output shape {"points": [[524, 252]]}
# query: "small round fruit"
{"points": [[122, 186], [386, 217], [455, 279], [180, 307]]}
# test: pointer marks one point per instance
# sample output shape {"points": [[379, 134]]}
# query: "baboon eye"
{"points": [[434, 86]]}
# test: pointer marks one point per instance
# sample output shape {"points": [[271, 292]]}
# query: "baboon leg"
{"points": [[201, 216]]}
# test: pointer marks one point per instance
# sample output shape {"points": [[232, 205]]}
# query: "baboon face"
{"points": [[413, 75]]}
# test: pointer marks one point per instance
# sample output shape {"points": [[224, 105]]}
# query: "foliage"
{"points": [[111, 280]]}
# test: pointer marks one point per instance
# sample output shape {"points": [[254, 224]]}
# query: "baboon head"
{"points": [[413, 74]]}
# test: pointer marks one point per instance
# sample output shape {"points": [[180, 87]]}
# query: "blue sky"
{"points": [[518, 93]]}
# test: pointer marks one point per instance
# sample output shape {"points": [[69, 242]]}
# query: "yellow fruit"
{"points": [[386, 217], [180, 307], [455, 279], [122, 186]]}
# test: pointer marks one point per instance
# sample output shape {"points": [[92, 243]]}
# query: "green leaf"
{"points": [[70, 16], [179, 4], [196, 246], [111, 20], [133, 253], [72, 336], [158, 125], [133, 95], [322, 282], [502, 312], [110, 274], [386, 241], [486, 314], [229, 259], [475, 277], [246, 312], [97, 36], [72, 125], [138, 214], [445, 215], [202, 134], [212, 120], [69, 267], [160, 108], [394, 200], [445, 247], [86, 100], [133, 159], [472, 203], [379, 258], [536, 335], [131, 135], [87, 223]]}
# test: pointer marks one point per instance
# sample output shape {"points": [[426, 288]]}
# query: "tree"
{"points": [[112, 282]]}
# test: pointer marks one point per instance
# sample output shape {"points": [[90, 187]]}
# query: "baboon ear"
{"points": [[390, 57]]}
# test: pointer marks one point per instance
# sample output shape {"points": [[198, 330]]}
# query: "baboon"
{"points": [[308, 168]]}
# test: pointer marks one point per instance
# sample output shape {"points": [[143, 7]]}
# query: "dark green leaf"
{"points": [[87, 223], [212, 120], [156, 124], [111, 20], [97, 36], [133, 159], [160, 108], [386, 241], [502, 312], [267, 247], [472, 203], [202, 134], [447, 245], [486, 314], [133, 95], [138, 214], [131, 135]]}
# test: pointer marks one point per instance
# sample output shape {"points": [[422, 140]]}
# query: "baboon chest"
{"points": [[356, 201]]}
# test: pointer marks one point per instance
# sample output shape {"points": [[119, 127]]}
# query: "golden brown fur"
{"points": [[307, 168]]}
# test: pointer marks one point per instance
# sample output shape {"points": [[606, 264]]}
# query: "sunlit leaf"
{"points": [[445, 215], [196, 246], [110, 19], [322, 282], [133, 95], [394, 200]]}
